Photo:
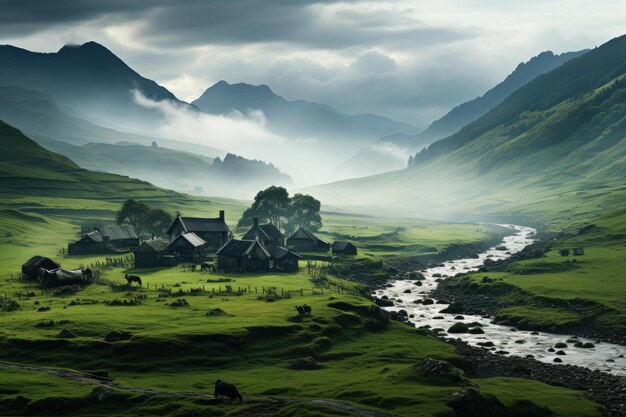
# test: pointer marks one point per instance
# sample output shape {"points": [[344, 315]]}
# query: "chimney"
{"points": [[221, 214], [255, 222]]}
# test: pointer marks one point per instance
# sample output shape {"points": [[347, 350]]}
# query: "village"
{"points": [[209, 243]]}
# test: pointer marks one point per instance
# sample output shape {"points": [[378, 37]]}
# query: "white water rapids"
{"points": [[606, 357]]}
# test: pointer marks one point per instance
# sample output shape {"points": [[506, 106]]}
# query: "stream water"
{"points": [[606, 357]]}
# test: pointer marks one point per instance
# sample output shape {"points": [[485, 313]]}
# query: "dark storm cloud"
{"points": [[174, 24]]}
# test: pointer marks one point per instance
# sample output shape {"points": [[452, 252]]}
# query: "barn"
{"points": [[150, 253], [243, 256], [343, 248], [269, 234], [188, 247], [106, 240], [284, 260], [213, 231], [305, 241]]}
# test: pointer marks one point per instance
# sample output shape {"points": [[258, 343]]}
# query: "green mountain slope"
{"points": [[28, 169], [554, 149]]}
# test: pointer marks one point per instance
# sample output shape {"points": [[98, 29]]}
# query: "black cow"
{"points": [[304, 309], [132, 278], [224, 389]]}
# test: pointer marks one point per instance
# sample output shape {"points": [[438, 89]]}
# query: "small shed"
{"points": [[30, 270], [284, 259], [214, 231], [304, 240], [106, 240], [150, 253], [189, 247], [243, 256], [343, 248]]}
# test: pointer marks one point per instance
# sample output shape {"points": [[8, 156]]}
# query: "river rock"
{"points": [[558, 360], [407, 291], [459, 318], [454, 308], [476, 330], [428, 301], [485, 344], [560, 345], [560, 352], [458, 328]]}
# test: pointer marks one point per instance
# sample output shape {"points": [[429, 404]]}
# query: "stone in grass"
{"points": [[305, 364], [560, 345], [117, 335], [458, 328], [66, 334], [476, 330]]}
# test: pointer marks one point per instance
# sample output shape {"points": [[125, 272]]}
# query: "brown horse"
{"points": [[132, 278]]}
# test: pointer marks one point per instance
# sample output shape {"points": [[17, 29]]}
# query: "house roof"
{"points": [[200, 225], [341, 245], [191, 238], [303, 233], [94, 236], [237, 248], [279, 253], [122, 232], [152, 245], [264, 231]]}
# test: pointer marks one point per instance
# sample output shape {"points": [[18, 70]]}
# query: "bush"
{"points": [[180, 302], [305, 364], [10, 305], [45, 308]]}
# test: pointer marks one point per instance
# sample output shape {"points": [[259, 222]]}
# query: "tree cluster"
{"points": [[274, 205], [144, 218]]}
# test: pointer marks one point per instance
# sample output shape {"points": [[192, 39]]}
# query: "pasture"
{"points": [[188, 329]]}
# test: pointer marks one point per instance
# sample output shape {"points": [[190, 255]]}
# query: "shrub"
{"points": [[306, 364], [180, 302], [45, 308]]}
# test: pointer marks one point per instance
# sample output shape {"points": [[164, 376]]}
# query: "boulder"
{"points": [[476, 330], [458, 328], [428, 301], [560, 345], [459, 318]]}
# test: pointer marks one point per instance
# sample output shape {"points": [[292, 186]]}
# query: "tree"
{"points": [[142, 217], [270, 205], [304, 211], [134, 213], [158, 221]]}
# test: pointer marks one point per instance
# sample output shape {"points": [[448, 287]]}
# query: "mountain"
{"points": [[557, 145], [234, 176], [26, 168], [40, 116], [298, 118], [88, 77], [471, 110]]}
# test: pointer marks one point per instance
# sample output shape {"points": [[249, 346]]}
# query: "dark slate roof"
{"points": [[303, 233], [341, 245], [192, 238], [153, 245], [121, 232], [237, 248], [264, 231], [279, 253], [94, 236], [198, 224]]}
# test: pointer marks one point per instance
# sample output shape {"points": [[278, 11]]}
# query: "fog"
{"points": [[308, 160]]}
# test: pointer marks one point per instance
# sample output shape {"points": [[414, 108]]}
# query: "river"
{"points": [[606, 357]]}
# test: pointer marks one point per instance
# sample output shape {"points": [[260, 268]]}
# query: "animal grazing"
{"points": [[132, 278], [304, 309], [224, 389], [206, 267]]}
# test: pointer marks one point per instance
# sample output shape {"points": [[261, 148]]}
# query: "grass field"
{"points": [[238, 337]]}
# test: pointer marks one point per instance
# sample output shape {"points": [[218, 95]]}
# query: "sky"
{"points": [[408, 60]]}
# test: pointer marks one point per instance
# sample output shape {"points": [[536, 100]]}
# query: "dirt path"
{"points": [[108, 384]]}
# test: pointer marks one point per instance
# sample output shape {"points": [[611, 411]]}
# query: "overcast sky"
{"points": [[409, 60]]}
